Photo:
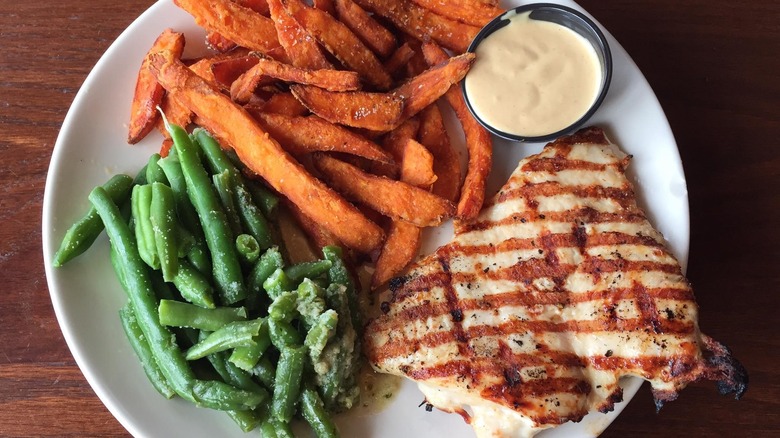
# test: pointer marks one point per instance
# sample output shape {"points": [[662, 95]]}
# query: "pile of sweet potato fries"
{"points": [[334, 106]]}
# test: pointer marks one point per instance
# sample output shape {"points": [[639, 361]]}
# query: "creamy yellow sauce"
{"points": [[533, 77]]}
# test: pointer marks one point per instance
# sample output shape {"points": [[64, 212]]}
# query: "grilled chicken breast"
{"points": [[536, 309]]}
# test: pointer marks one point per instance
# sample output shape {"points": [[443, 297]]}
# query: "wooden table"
{"points": [[713, 64]]}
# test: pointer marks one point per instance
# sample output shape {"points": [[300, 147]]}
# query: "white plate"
{"points": [[86, 296]]}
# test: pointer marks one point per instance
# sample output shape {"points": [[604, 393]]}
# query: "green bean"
{"points": [[269, 262], [83, 233], [158, 285], [186, 212], [314, 412], [277, 283], [314, 269], [339, 274], [341, 389], [163, 291], [143, 352], [141, 202], [230, 373], [224, 397], [264, 198], [247, 357], [185, 239], [308, 289], [241, 379], [336, 378], [178, 314], [139, 291], [268, 427], [287, 383], [200, 258], [250, 215], [310, 303], [265, 371], [224, 186], [284, 307], [226, 267], [320, 334], [216, 158], [193, 286], [283, 430], [231, 335], [140, 177], [164, 224], [198, 254], [119, 269], [246, 420], [283, 334], [248, 249], [154, 173]]}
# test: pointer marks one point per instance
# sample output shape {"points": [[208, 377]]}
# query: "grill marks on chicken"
{"points": [[535, 310]]}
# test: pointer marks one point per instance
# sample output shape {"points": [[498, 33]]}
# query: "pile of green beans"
{"points": [[215, 314]]}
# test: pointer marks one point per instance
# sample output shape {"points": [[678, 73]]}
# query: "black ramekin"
{"points": [[564, 16]]}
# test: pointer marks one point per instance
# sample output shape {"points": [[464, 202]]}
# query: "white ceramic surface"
{"points": [[86, 296]]}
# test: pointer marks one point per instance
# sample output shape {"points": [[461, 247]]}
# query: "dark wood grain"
{"points": [[713, 64]]}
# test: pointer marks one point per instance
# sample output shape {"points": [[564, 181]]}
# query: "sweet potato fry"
{"points": [[148, 92], [318, 236], [332, 80], [394, 143], [264, 156], [478, 142], [416, 64], [425, 88], [446, 163], [359, 109], [259, 6], [175, 112], [424, 24], [203, 67], [395, 64], [395, 199], [284, 103], [474, 12], [226, 72], [215, 41], [165, 147], [303, 135], [373, 34], [403, 239], [376, 111], [341, 42], [417, 165], [245, 26], [400, 248], [303, 51], [326, 6]]}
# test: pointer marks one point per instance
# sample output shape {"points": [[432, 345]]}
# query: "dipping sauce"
{"points": [[533, 77]]}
